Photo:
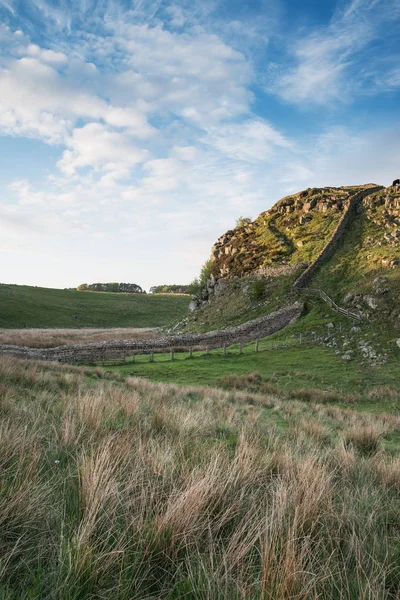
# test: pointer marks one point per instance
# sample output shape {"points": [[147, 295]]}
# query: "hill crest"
{"points": [[294, 231]]}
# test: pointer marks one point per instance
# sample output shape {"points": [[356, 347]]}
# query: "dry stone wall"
{"points": [[89, 353], [333, 243]]}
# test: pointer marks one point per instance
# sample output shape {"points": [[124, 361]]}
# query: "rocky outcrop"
{"points": [[383, 209], [291, 231], [90, 353]]}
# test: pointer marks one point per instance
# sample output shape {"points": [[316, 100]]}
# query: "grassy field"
{"points": [[286, 367], [50, 338], [121, 488], [25, 306], [305, 371]]}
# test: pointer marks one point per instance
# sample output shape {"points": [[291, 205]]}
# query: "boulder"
{"points": [[348, 298], [193, 304], [372, 302], [309, 205]]}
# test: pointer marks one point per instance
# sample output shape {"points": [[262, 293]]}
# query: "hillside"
{"points": [[256, 264], [25, 306], [289, 234]]}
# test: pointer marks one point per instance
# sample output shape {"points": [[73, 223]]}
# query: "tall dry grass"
{"points": [[129, 489], [50, 338]]}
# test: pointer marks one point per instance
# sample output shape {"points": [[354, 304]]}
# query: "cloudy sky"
{"points": [[133, 133]]}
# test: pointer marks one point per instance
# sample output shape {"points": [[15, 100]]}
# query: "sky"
{"points": [[134, 133]]}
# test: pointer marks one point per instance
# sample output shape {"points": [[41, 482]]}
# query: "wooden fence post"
{"points": [[172, 354], [256, 347], [190, 352], [224, 349], [152, 356]]}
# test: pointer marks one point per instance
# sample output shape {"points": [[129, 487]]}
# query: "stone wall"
{"points": [[279, 270], [90, 353], [333, 243]]}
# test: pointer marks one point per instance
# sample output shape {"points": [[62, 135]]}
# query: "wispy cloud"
{"points": [[329, 65]]}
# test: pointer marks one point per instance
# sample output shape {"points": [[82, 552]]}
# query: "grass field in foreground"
{"points": [[285, 371], [122, 488], [26, 306], [298, 367]]}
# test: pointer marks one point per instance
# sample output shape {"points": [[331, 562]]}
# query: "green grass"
{"points": [[25, 306], [238, 303], [306, 366], [357, 262], [287, 367]]}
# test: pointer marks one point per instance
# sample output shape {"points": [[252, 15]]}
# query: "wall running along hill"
{"points": [[334, 241], [89, 353]]}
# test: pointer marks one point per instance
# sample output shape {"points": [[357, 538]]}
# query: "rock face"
{"points": [[292, 232]]}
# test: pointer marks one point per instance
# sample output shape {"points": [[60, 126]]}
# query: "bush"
{"points": [[258, 289], [194, 287], [242, 221], [209, 268]]}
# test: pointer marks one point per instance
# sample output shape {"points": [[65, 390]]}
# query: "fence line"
{"points": [[321, 294], [258, 345]]}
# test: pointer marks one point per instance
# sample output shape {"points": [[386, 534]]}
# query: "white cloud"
{"points": [[325, 66], [37, 101], [185, 153], [8, 5], [253, 140], [47, 56], [96, 145], [194, 76]]}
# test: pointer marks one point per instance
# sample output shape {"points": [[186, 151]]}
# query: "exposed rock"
{"points": [[309, 205], [348, 298], [372, 302], [193, 304]]}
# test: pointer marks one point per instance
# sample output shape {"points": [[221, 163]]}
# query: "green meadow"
{"points": [[26, 306]]}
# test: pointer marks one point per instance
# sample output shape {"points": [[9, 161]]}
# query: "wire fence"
{"points": [[262, 345]]}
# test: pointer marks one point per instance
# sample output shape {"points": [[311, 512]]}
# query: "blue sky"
{"points": [[134, 133]]}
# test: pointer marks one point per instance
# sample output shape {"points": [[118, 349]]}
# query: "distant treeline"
{"points": [[171, 289], [126, 288]]}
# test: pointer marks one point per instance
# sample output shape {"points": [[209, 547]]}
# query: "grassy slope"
{"points": [[355, 267], [125, 489], [277, 236], [25, 306], [237, 304], [287, 371]]}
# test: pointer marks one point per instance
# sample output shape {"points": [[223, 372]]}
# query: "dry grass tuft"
{"points": [[366, 440]]}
